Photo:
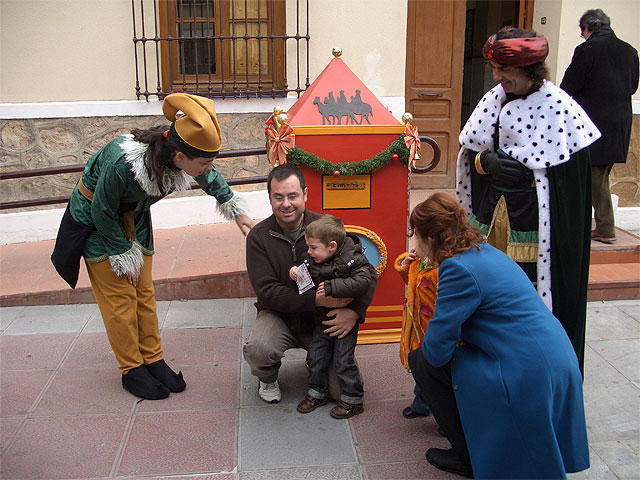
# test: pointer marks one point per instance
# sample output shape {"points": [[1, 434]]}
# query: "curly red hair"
{"points": [[441, 218]]}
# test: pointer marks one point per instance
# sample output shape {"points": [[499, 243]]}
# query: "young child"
{"points": [[338, 268], [422, 281]]}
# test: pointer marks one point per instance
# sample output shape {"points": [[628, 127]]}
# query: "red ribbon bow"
{"points": [[280, 143], [411, 140]]}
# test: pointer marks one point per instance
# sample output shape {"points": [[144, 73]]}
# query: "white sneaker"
{"points": [[269, 392]]}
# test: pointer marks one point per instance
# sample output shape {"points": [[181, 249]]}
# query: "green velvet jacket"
{"points": [[120, 183]]}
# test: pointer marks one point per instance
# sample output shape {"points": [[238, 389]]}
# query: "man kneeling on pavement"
{"points": [[285, 317]]}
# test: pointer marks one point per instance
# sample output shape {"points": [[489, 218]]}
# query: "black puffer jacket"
{"points": [[347, 273]]}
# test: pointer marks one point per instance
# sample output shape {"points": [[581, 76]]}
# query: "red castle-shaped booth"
{"points": [[352, 152]]}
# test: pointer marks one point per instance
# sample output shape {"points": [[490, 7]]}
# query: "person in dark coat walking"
{"points": [[602, 76]]}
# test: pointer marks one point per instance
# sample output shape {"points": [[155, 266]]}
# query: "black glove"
{"points": [[504, 170]]}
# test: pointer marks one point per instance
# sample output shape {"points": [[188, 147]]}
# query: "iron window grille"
{"points": [[221, 48]]}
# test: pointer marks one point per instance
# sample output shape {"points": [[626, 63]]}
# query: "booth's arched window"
{"points": [[218, 48]]}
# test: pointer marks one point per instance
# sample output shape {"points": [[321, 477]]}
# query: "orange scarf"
{"points": [[419, 304]]}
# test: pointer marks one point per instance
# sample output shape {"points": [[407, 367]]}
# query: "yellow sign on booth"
{"points": [[353, 191]]}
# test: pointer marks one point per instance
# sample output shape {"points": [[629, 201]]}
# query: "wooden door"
{"points": [[433, 85]]}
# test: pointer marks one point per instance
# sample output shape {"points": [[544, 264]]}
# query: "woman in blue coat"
{"points": [[498, 369]]}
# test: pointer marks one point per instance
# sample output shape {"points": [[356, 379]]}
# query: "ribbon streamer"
{"points": [[279, 143], [412, 141]]}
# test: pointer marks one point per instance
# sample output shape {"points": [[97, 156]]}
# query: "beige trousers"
{"points": [[129, 314]]}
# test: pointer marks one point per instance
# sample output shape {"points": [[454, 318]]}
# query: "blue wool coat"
{"points": [[516, 378]]}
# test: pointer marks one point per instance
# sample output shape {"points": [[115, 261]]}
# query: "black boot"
{"points": [[170, 379], [448, 461], [139, 382]]}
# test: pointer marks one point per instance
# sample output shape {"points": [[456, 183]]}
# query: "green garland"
{"points": [[300, 157]]}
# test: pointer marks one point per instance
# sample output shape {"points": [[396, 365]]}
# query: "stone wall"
{"points": [[43, 143]]}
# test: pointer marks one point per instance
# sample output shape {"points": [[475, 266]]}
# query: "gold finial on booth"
{"points": [[336, 51], [407, 118], [282, 118]]}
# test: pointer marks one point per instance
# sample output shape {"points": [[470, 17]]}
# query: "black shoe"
{"points": [[170, 379], [140, 383], [409, 413], [448, 461]]}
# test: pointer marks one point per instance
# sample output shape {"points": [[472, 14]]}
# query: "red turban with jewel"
{"points": [[516, 52]]}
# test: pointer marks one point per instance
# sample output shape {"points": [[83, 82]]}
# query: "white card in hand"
{"points": [[304, 280]]}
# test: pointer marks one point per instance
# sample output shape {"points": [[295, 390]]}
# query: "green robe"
{"points": [[119, 181]]}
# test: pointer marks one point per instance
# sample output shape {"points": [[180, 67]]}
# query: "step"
{"points": [[207, 261]]}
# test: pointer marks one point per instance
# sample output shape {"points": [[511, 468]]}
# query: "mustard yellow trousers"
{"points": [[129, 314]]}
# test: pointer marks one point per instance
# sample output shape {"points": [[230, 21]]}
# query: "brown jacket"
{"points": [[270, 255]]}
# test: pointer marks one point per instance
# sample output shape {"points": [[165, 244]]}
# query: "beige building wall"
{"points": [[66, 50], [80, 50]]}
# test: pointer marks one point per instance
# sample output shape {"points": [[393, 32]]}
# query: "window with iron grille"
{"points": [[221, 48]]}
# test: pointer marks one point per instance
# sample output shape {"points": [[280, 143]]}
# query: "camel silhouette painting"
{"points": [[333, 110]]}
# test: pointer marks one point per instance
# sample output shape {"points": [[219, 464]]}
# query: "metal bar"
{"points": [[55, 200], [135, 48], [222, 56], [307, 36], [209, 62], [234, 64], [272, 42], [194, 32], [246, 45], [260, 52], [181, 46], [41, 172], [157, 41], [144, 52]]}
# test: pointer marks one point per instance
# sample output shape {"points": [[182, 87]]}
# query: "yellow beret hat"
{"points": [[197, 130]]}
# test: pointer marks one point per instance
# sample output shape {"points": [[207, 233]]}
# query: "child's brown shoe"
{"points": [[309, 404], [346, 410]]}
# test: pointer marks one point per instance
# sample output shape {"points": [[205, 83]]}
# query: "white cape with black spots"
{"points": [[540, 130]]}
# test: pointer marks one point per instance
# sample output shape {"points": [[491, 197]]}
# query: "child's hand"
{"points": [[411, 256], [321, 289], [293, 274]]}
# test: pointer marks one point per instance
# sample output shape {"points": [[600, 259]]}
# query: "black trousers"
{"points": [[435, 385]]}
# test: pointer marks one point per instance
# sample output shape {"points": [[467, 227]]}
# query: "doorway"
{"points": [[445, 72]]}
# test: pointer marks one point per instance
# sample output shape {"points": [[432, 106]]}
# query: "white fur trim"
{"points": [[463, 179], [173, 181], [129, 262], [232, 208], [544, 238], [540, 130]]}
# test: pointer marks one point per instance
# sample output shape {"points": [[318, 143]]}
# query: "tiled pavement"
{"points": [[64, 414]]}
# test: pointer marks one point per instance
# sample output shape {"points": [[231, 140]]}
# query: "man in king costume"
{"points": [[524, 175]]}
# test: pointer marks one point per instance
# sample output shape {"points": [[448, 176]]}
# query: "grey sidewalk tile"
{"points": [[8, 315], [342, 472], [623, 355], [631, 310], [621, 457], [599, 470], [249, 311], [277, 436], [52, 319], [609, 323], [292, 379], [597, 371], [226, 312], [612, 412]]}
